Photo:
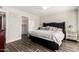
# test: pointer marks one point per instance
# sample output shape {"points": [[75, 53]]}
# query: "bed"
{"points": [[47, 38]]}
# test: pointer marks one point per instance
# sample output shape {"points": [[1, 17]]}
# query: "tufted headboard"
{"points": [[58, 25]]}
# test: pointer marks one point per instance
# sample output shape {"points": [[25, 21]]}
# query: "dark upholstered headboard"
{"points": [[58, 25]]}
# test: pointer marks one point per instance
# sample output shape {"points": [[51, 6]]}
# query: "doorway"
{"points": [[24, 28]]}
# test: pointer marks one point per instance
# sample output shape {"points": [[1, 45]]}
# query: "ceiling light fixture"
{"points": [[45, 7]]}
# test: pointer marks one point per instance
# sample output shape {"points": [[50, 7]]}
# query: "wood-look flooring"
{"points": [[26, 45]]}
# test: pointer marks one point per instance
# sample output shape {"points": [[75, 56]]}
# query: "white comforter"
{"points": [[56, 36]]}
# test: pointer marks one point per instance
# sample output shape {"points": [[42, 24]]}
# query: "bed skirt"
{"points": [[48, 44]]}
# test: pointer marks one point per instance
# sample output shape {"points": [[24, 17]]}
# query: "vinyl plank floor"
{"points": [[29, 46]]}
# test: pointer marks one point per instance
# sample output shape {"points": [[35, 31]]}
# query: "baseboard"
{"points": [[72, 40], [12, 40], [78, 37]]}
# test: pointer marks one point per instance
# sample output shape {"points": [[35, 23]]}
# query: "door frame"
{"points": [[1, 22]]}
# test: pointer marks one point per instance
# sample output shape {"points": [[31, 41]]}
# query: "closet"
{"points": [[24, 28]]}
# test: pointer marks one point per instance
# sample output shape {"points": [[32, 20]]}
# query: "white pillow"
{"points": [[59, 29], [55, 28], [52, 28], [44, 28]]}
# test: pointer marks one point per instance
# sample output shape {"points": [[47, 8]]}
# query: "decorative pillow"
{"points": [[59, 29], [55, 28], [44, 28], [52, 28]]}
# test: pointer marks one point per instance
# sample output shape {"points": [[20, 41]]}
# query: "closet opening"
{"points": [[24, 28]]}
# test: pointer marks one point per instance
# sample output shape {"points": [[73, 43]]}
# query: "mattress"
{"points": [[56, 36]]}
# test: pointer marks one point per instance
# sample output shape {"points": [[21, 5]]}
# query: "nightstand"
{"points": [[71, 35]]}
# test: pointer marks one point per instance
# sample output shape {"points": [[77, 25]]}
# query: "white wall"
{"points": [[78, 22], [69, 17], [14, 23]]}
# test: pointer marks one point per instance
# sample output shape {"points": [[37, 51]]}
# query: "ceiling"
{"points": [[38, 10]]}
